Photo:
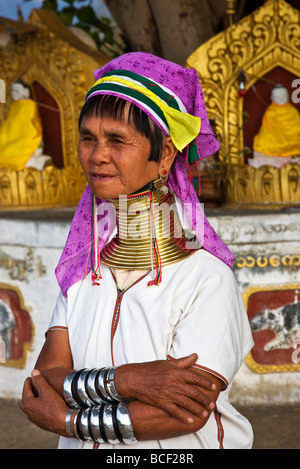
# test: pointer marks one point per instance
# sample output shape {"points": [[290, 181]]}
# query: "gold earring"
{"points": [[164, 177]]}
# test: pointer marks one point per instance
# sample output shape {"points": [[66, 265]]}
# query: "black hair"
{"points": [[113, 107]]}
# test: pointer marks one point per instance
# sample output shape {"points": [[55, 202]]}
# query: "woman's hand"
{"points": [[171, 385], [43, 405]]}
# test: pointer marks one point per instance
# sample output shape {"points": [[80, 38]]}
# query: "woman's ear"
{"points": [[169, 153]]}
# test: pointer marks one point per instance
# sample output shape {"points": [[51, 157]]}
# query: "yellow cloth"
{"points": [[184, 127], [20, 134], [279, 134]]}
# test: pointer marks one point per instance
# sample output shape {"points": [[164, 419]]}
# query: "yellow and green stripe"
{"points": [[166, 108]]}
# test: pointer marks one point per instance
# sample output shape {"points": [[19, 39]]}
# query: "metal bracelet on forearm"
{"points": [[109, 423], [85, 388], [109, 383], [67, 390]]}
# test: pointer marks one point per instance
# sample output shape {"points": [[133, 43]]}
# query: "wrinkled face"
{"points": [[114, 157]]}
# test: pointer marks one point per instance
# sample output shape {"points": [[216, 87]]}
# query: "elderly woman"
{"points": [[149, 329]]}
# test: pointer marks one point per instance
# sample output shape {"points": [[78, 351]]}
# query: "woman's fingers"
{"points": [[27, 392], [184, 400], [185, 409], [184, 362], [191, 375], [43, 405], [181, 400]]}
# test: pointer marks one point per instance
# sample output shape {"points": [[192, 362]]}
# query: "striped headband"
{"points": [[157, 101]]}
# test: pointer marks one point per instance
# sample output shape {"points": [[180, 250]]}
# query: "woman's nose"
{"points": [[100, 153]]}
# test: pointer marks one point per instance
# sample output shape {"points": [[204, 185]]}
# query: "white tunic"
{"points": [[196, 308]]}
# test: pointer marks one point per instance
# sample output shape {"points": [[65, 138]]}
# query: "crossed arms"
{"points": [[169, 397]]}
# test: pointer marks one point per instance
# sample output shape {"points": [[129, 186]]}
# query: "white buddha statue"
{"points": [[278, 140]]}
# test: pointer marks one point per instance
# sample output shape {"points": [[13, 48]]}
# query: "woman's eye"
{"points": [[87, 138]]}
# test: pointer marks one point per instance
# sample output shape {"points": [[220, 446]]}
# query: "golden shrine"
{"points": [[238, 68], [58, 67]]}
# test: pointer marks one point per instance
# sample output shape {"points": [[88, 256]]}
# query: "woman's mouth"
{"points": [[101, 177]]}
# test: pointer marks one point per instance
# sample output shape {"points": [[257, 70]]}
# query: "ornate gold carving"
{"points": [[267, 38], [30, 188], [63, 66], [251, 363], [265, 186]]}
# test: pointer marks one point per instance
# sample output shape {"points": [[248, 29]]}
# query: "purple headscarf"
{"points": [[75, 263]]}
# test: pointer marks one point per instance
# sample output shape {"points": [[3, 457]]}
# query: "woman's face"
{"points": [[114, 157]]}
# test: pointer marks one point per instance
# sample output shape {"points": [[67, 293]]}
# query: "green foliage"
{"points": [[100, 29]]}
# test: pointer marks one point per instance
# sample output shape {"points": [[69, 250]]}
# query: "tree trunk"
{"points": [[135, 19], [172, 29], [183, 25]]}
